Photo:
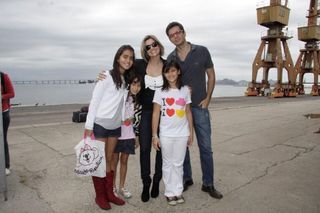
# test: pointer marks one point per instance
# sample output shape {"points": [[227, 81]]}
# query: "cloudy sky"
{"points": [[74, 39]]}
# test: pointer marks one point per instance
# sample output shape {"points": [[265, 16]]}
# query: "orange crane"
{"points": [[270, 55], [309, 57]]}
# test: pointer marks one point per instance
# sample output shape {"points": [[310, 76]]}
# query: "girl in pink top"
{"points": [[129, 140]]}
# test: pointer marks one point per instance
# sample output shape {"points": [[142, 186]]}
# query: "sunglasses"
{"points": [[154, 44], [175, 34]]}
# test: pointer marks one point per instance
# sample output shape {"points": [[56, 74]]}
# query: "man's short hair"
{"points": [[174, 24]]}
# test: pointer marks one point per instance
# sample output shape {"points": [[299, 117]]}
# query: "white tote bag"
{"points": [[90, 158]]}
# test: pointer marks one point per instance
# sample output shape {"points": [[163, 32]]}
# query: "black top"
{"points": [[146, 94], [193, 70]]}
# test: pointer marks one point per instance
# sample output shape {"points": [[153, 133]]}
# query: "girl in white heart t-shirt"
{"points": [[172, 108]]}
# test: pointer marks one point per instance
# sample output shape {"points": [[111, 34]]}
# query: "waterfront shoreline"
{"points": [[228, 101]]}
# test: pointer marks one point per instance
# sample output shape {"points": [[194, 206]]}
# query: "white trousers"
{"points": [[173, 151]]}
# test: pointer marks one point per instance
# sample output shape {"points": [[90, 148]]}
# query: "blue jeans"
{"points": [[6, 123], [202, 127]]}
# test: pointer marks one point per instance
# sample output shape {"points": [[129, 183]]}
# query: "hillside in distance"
{"points": [[242, 83]]}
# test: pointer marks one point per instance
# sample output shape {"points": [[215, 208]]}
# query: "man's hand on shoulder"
{"points": [[101, 76]]}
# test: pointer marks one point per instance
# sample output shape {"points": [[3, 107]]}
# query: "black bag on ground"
{"points": [[79, 116]]}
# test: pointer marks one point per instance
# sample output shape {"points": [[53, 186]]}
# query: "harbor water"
{"points": [[51, 94]]}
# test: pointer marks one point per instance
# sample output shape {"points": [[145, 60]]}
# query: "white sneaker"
{"points": [[8, 172], [180, 199], [125, 193], [172, 201]]}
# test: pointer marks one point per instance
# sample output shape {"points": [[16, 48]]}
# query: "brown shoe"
{"points": [[186, 184], [212, 191]]}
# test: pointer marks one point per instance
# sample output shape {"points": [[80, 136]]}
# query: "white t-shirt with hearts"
{"points": [[173, 120]]}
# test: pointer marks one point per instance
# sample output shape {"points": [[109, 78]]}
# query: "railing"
{"points": [[54, 82]]}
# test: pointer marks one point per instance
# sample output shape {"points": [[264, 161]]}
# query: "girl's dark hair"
{"points": [[132, 77], [115, 72], [166, 68]]}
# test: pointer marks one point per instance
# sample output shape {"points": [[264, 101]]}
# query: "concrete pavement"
{"points": [[266, 160]]}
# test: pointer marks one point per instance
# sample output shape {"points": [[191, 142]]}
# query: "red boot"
{"points": [[109, 190], [101, 197]]}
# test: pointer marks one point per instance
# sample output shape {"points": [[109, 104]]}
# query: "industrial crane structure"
{"points": [[309, 57], [273, 52]]}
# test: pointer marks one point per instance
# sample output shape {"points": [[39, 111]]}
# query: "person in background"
{"points": [[7, 93], [196, 63], [172, 108], [129, 139], [104, 120]]}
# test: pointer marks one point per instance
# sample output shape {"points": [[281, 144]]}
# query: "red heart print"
{"points": [[127, 122], [170, 112], [170, 101]]}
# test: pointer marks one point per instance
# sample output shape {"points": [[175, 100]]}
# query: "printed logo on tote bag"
{"points": [[90, 158]]}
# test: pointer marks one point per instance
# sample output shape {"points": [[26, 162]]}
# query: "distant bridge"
{"points": [[308, 83], [54, 82], [71, 82]]}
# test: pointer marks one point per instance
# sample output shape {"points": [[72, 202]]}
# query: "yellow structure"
{"points": [[309, 57], [309, 33], [273, 14], [270, 55]]}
